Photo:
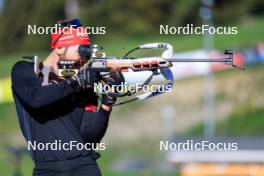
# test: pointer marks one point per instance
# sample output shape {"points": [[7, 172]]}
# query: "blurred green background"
{"points": [[135, 129]]}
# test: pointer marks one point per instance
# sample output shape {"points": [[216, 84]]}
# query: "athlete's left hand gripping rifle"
{"points": [[158, 65]]}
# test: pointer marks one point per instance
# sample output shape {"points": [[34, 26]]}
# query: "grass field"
{"points": [[133, 117]]}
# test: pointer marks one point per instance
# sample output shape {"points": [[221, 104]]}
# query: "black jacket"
{"points": [[55, 112]]}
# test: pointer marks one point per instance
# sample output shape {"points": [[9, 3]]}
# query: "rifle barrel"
{"points": [[199, 60]]}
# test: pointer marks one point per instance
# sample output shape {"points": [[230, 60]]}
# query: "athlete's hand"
{"points": [[108, 100], [115, 78], [87, 77]]}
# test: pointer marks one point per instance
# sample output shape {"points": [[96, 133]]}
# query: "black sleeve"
{"points": [[27, 87], [94, 125]]}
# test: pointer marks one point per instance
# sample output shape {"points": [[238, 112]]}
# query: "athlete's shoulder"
{"points": [[21, 67], [22, 64]]}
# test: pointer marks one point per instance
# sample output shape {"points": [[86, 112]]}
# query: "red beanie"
{"points": [[69, 36]]}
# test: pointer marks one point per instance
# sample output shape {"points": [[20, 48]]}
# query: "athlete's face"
{"points": [[70, 53]]}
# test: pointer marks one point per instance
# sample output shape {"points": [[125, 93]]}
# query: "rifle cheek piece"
{"points": [[68, 68]]}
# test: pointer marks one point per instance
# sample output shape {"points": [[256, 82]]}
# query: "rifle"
{"points": [[157, 65], [100, 61]]}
